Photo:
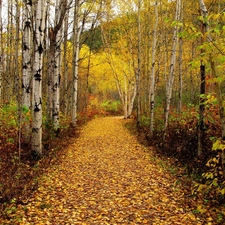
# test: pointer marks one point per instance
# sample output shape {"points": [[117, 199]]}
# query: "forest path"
{"points": [[107, 177]]}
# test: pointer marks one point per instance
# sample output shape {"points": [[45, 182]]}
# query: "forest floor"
{"points": [[108, 177]]}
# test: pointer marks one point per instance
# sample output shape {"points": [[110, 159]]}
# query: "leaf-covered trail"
{"points": [[107, 178]]}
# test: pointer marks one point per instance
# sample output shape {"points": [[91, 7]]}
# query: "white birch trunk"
{"points": [[132, 95], [76, 53], [17, 83], [55, 37], [180, 64], [170, 79], [26, 63], [65, 63], [138, 73], [39, 30], [204, 27], [152, 76], [56, 67], [125, 98]]}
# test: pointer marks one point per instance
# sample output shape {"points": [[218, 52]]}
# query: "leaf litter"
{"points": [[107, 177]]}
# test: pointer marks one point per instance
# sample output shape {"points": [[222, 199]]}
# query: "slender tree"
{"points": [[39, 30], [17, 45], [170, 79], [65, 96], [76, 52], [138, 72], [152, 75], [9, 80], [201, 125], [180, 92], [26, 61], [55, 37]]}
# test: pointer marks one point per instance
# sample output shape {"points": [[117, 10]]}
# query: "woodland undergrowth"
{"points": [[205, 180], [19, 169]]}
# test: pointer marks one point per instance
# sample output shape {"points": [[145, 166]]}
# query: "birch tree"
{"points": [[9, 81], [170, 79], [204, 27], [65, 64], [55, 37], [26, 61], [152, 75], [17, 45], [180, 92], [76, 52], [138, 72], [39, 30]]}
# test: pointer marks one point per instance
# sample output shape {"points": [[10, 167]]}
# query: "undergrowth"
{"points": [[202, 177], [19, 171]]}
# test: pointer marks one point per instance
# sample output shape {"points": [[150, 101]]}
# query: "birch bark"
{"points": [[204, 25], [65, 64], [180, 93], [138, 72], [55, 38], [76, 53], [17, 83], [26, 62], [39, 30], [170, 79], [152, 75]]}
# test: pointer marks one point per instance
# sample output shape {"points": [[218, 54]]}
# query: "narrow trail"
{"points": [[107, 177]]}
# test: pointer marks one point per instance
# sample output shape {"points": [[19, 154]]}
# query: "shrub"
{"points": [[111, 107]]}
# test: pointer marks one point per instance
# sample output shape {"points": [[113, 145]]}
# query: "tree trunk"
{"points": [[152, 76], [138, 72], [201, 125], [180, 92], [55, 37], [132, 94], [9, 80], [17, 65], [170, 79], [76, 53], [39, 30], [65, 101], [26, 64]]}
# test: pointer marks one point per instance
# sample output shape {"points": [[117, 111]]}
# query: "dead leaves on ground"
{"points": [[107, 177]]}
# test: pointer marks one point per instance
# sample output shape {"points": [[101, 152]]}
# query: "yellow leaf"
{"points": [[201, 209], [223, 191]]}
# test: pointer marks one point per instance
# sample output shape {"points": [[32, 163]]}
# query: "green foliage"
{"points": [[110, 106], [145, 121], [9, 115], [93, 38], [214, 182]]}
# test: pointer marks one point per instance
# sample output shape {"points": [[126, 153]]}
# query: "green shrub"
{"points": [[145, 121], [112, 107]]}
